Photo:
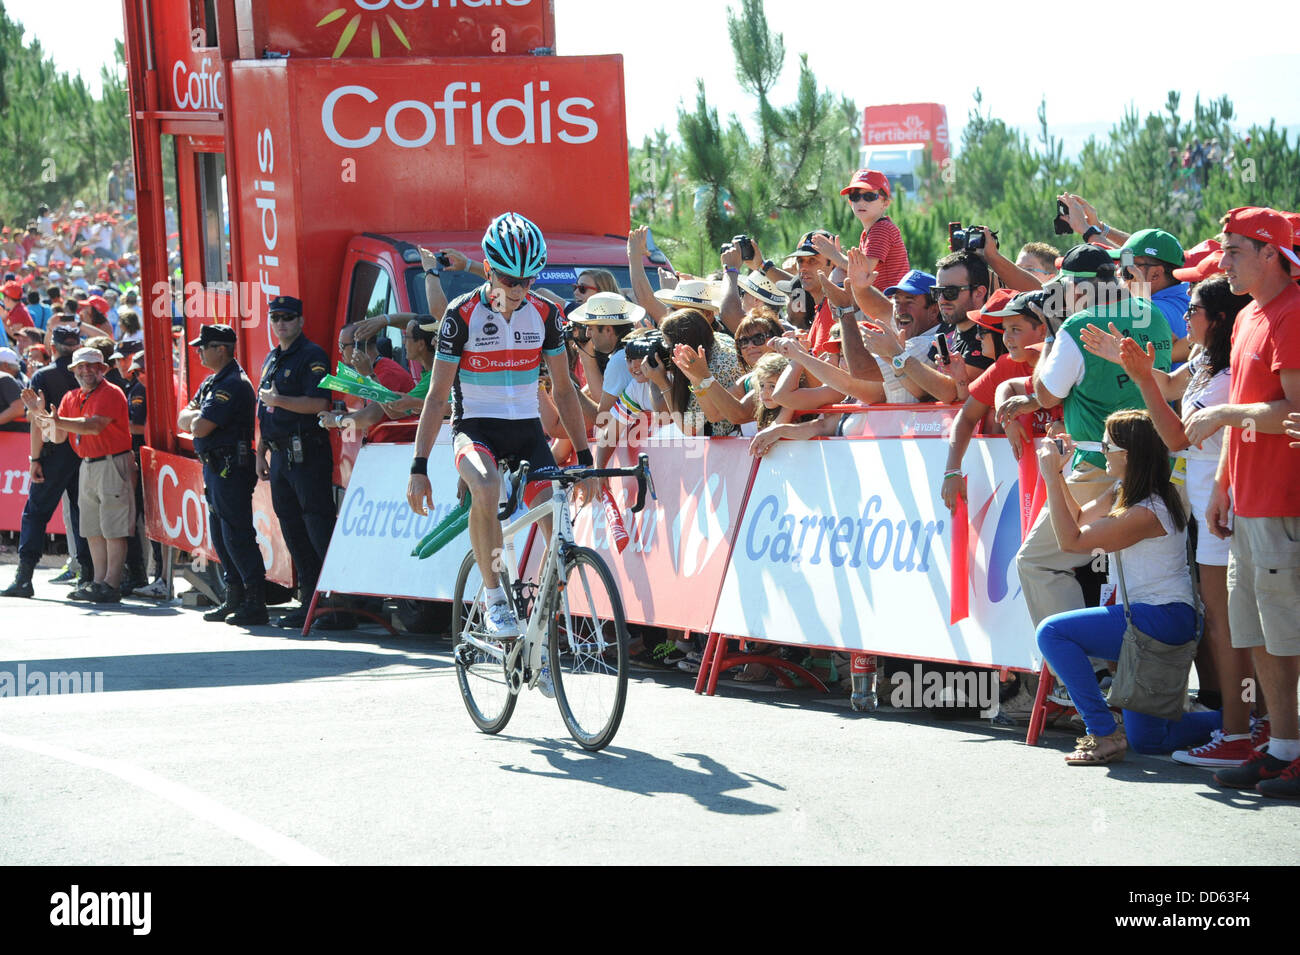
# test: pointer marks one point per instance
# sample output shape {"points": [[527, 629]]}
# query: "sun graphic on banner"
{"points": [[354, 26]]}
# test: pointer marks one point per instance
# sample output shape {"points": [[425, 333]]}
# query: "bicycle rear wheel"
{"points": [[484, 682], [587, 646]]}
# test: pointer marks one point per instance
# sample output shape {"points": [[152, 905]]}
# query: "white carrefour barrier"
{"points": [[848, 544], [370, 551]]}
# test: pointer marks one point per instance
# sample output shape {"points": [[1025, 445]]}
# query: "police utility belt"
{"points": [[222, 460], [292, 444]]}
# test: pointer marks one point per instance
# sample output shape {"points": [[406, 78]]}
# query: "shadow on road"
{"points": [[168, 671], [634, 771]]}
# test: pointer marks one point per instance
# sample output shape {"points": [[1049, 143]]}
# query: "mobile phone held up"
{"points": [[942, 342], [1062, 222]]}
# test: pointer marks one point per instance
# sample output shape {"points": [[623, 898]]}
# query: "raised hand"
{"points": [[1102, 344], [1137, 362]]}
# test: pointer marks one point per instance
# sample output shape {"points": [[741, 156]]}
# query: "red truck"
{"points": [[316, 145]]}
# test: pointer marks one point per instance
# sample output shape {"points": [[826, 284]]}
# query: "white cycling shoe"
{"points": [[501, 622]]}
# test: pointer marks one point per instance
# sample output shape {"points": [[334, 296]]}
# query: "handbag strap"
{"points": [[1123, 590]]}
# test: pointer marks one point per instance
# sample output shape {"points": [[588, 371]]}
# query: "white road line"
{"points": [[280, 847]]}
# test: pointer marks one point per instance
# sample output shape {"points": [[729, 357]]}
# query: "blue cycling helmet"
{"points": [[514, 246]]}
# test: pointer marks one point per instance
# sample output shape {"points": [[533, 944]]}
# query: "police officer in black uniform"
{"points": [[220, 417], [55, 468], [294, 452]]}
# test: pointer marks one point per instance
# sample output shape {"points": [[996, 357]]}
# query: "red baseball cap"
{"points": [[868, 179], [1200, 262], [98, 303], [997, 302], [1294, 219], [12, 289], [1265, 225]]}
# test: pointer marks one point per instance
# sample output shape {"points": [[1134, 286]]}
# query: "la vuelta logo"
{"points": [[373, 28], [701, 525], [1006, 540]]}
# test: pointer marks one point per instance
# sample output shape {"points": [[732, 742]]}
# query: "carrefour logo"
{"points": [[868, 539]]}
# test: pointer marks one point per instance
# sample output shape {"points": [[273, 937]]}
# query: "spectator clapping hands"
{"points": [[830, 247]]}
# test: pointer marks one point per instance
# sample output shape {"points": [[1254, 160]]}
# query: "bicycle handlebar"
{"points": [[524, 474]]}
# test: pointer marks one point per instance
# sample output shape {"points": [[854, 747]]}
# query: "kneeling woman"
{"points": [[1142, 519]]}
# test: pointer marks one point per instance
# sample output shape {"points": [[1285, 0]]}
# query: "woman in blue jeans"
{"points": [[1142, 519]]}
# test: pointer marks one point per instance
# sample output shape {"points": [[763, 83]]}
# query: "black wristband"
{"points": [[584, 458], [420, 466], [768, 264]]}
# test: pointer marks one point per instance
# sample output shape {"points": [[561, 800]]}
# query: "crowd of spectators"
{"points": [[1099, 362], [1030, 348]]}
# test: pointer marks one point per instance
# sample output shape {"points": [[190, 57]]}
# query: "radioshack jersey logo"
{"points": [[502, 363]]}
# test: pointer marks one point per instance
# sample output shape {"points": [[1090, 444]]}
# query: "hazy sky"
{"points": [[1015, 53]]}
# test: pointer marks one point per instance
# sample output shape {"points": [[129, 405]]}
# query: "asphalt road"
{"points": [[213, 745]]}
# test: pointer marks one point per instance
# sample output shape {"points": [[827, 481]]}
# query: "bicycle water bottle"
{"points": [[862, 671]]}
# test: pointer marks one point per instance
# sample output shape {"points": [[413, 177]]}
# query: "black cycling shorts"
{"points": [[502, 438]]}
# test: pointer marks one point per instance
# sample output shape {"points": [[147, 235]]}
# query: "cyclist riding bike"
{"points": [[491, 342]]}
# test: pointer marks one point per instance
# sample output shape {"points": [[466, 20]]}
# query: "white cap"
{"points": [[8, 356], [87, 356]]}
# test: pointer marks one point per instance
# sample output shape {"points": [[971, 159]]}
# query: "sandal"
{"points": [[752, 673], [1099, 750]]}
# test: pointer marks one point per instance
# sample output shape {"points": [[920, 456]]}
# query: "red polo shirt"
{"points": [[1262, 467], [108, 400], [984, 388], [883, 241], [393, 376]]}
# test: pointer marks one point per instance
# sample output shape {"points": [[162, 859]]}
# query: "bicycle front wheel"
{"points": [[484, 682], [587, 645]]}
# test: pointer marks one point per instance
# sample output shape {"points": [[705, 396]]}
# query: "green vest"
{"points": [[1105, 387]]}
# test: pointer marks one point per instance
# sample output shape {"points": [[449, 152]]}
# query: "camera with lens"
{"points": [[651, 345], [968, 239], [576, 333], [745, 245]]}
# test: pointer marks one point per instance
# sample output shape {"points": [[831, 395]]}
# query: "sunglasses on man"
{"points": [[949, 293], [864, 195], [510, 281]]}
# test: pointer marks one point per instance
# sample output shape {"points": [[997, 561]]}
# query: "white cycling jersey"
{"points": [[498, 360]]}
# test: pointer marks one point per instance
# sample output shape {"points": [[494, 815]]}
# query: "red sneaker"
{"points": [[1259, 732], [1220, 751]]}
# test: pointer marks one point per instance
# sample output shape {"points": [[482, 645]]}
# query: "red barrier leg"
{"points": [[1039, 713], [715, 665], [706, 662], [311, 612]]}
